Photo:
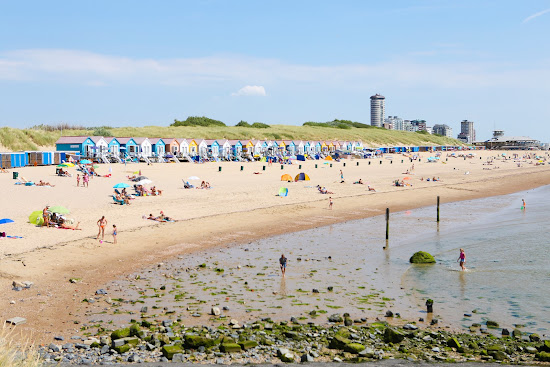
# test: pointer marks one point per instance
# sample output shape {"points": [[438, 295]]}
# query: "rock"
{"points": [[496, 348], [348, 321], [178, 357], [225, 308], [101, 292], [17, 320], [422, 257], [330, 289], [338, 342], [248, 344], [389, 313], [534, 337], [306, 358], [215, 311], [393, 336], [54, 348], [233, 322], [434, 322], [230, 348], [59, 338], [122, 349], [120, 333], [531, 349], [543, 356], [546, 346], [436, 350], [196, 341], [505, 332], [410, 327], [335, 318], [337, 360], [498, 355], [516, 333], [492, 324], [354, 348], [453, 343], [168, 351], [292, 335], [367, 352], [315, 290], [144, 309], [285, 355]]}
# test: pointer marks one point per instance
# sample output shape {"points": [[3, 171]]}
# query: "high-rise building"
{"points": [[395, 122], [377, 110], [467, 132], [419, 125], [443, 129]]}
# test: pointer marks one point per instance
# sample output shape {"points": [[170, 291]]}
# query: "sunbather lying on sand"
{"points": [[42, 183], [371, 188], [2, 170], [64, 225], [360, 182]]}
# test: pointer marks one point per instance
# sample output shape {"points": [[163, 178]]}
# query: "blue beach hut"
{"points": [[113, 145], [82, 145], [158, 146]]}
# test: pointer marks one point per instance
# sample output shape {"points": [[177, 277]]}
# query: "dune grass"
{"points": [[12, 355], [36, 139]]}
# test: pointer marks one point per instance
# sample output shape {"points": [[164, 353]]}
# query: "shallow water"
{"points": [[506, 253]]}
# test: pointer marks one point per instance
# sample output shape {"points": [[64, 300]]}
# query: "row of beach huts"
{"points": [[135, 149]]}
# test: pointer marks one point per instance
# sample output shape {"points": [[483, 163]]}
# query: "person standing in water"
{"points": [[282, 262], [523, 205], [462, 259]]}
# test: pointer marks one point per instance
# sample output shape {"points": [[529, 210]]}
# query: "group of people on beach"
{"points": [[56, 220]]}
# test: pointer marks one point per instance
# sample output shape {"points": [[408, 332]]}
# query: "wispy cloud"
{"points": [[531, 17], [250, 90], [91, 69]]}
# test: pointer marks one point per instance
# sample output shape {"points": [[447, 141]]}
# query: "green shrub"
{"points": [[260, 125], [198, 121]]}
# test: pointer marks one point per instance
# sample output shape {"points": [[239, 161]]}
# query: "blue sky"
{"points": [[135, 63]]}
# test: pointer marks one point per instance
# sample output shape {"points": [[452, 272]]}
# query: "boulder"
{"points": [[348, 321], [338, 342], [534, 337], [335, 318], [453, 343], [196, 341], [248, 344], [516, 333], [422, 257], [122, 348], [120, 333], [546, 346], [505, 332], [393, 336], [168, 351], [543, 356], [492, 324], [215, 311], [230, 348], [354, 348]]}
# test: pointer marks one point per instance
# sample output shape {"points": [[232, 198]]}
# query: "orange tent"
{"points": [[328, 158], [286, 177]]}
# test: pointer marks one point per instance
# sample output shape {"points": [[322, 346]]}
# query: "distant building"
{"points": [[443, 129], [467, 132], [499, 141], [394, 122], [377, 110], [419, 125]]}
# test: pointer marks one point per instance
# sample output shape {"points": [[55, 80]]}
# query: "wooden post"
{"points": [[263, 168], [344, 164], [357, 163], [438, 209], [219, 168], [387, 223], [282, 166], [242, 168]]}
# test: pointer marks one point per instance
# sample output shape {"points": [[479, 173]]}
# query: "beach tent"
{"points": [[286, 177], [301, 177], [283, 191], [328, 158]]}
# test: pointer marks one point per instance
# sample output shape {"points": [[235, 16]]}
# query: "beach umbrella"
{"points": [[193, 178], [144, 182], [59, 209], [36, 218], [301, 177], [283, 191], [286, 177], [5, 221], [328, 158], [85, 161], [121, 185]]}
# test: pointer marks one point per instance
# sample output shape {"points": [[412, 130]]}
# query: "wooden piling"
{"points": [[438, 209], [387, 223]]}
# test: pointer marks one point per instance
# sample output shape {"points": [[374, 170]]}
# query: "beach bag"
{"points": [[2, 234]]}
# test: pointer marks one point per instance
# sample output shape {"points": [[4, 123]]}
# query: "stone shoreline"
{"points": [[265, 341]]}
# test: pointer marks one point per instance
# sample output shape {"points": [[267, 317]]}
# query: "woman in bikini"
{"points": [[102, 223]]}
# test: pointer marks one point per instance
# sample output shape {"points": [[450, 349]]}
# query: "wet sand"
{"points": [[241, 207]]}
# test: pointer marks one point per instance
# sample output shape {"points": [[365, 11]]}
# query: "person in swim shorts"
{"points": [[282, 262]]}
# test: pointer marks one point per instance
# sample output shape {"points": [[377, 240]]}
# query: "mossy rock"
{"points": [[135, 330], [292, 335], [498, 355], [492, 324], [122, 348], [195, 341], [496, 348], [169, 350], [516, 333], [454, 343], [422, 257], [338, 342], [546, 346], [534, 337], [230, 348], [120, 333], [354, 348], [393, 336], [543, 356], [248, 344], [95, 345], [344, 332]]}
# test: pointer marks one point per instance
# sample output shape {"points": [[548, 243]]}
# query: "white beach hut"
{"points": [[145, 147]]}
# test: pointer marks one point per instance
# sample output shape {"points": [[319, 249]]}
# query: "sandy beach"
{"points": [[241, 206]]}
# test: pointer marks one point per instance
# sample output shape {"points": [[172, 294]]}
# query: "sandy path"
{"points": [[241, 206]]}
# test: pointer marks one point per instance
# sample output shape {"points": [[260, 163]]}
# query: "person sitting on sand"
{"points": [[3, 170], [155, 191], [371, 188], [42, 183], [164, 218]]}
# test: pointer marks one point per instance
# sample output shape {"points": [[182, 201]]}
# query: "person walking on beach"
{"points": [[78, 180], [114, 234], [282, 262], [462, 259], [330, 203], [523, 205], [85, 179], [102, 223], [341, 176]]}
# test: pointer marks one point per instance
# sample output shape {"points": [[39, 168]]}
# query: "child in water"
{"points": [[462, 259]]}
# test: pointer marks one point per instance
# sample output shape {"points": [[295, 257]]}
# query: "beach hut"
{"points": [[236, 147], [171, 145], [101, 147], [248, 147], [213, 147], [113, 145], [224, 148], [193, 148], [184, 146], [16, 160], [258, 148], [202, 148], [299, 147], [358, 145], [82, 145], [158, 147], [145, 146], [128, 146], [289, 148]]}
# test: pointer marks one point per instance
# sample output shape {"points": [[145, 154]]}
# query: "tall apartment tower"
{"points": [[467, 132], [377, 110]]}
